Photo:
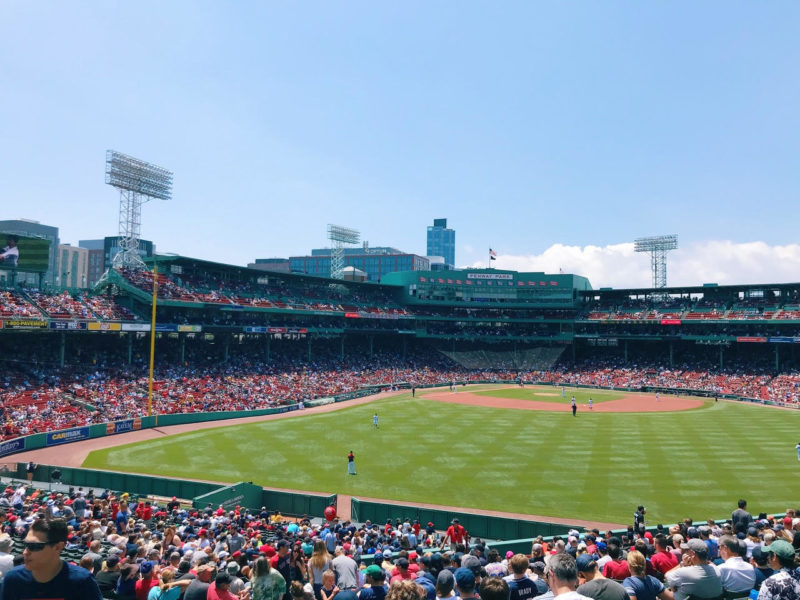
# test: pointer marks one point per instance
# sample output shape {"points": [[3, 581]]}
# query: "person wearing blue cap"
{"points": [[465, 583], [593, 584]]}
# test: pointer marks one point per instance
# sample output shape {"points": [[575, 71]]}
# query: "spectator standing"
{"points": [[319, 562], [266, 583], [740, 518], [346, 571], [375, 589], [520, 587], [455, 534], [638, 520]]}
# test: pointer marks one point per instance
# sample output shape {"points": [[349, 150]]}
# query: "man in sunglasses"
{"points": [[44, 574]]}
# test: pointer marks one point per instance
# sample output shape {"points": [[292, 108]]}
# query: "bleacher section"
{"points": [[529, 359]]}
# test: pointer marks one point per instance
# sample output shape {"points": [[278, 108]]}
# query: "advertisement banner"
{"points": [[67, 325], [670, 321], [135, 327], [190, 328], [123, 426], [98, 326], [166, 328], [55, 438], [251, 329], [12, 446], [784, 340], [24, 324], [757, 340]]}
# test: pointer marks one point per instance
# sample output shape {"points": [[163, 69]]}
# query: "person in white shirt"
{"points": [[562, 577], [738, 576], [6, 558]]}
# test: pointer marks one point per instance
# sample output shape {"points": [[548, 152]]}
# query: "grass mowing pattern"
{"points": [[553, 394], [594, 466]]}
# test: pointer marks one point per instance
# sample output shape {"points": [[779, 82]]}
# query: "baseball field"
{"points": [[507, 449]]}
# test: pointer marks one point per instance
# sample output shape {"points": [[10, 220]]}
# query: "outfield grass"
{"points": [[552, 394], [597, 466]]}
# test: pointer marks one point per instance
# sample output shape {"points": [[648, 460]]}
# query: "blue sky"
{"points": [[553, 132]]}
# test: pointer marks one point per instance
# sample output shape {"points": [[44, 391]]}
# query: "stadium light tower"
{"points": [[340, 236], [138, 182], [657, 246]]}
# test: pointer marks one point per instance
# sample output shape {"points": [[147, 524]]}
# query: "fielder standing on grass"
{"points": [[574, 406], [351, 463], [375, 420]]}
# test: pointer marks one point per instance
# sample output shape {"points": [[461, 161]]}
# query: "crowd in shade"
{"points": [[85, 546], [38, 399]]}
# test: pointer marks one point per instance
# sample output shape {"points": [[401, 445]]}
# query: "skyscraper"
{"points": [[442, 242]]}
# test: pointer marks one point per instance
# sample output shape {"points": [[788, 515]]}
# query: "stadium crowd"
{"points": [[116, 546], [43, 398]]}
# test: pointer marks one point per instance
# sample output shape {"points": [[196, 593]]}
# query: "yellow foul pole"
{"points": [[152, 343]]}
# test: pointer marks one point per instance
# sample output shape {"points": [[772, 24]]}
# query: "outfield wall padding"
{"points": [[201, 493], [482, 526]]}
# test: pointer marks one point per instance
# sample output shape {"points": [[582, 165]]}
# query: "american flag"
{"points": [[492, 254]]}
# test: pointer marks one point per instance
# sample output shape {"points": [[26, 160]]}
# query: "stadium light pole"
{"points": [[340, 236], [152, 344], [657, 246], [138, 182]]}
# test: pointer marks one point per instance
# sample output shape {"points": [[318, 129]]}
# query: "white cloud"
{"points": [[617, 265]]}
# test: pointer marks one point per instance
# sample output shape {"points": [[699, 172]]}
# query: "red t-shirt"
{"points": [[456, 533], [143, 587], [663, 561], [617, 570], [215, 594]]}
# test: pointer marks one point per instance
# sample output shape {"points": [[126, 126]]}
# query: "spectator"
{"points": [[594, 584], [494, 588], [640, 585], [785, 584], [44, 574], [520, 587], [266, 582], [737, 576], [562, 577], [694, 577]]}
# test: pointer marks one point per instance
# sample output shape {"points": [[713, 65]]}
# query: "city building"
{"points": [[102, 253], [96, 260], [73, 267], [375, 262], [276, 265], [442, 242], [31, 228]]}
